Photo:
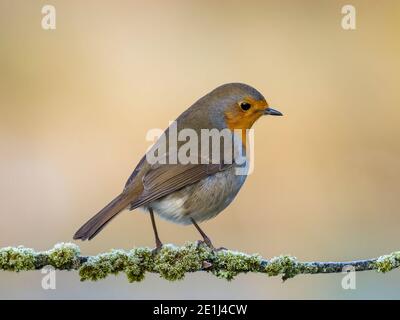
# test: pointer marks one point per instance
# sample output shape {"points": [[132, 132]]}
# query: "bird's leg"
{"points": [[206, 239], [153, 223]]}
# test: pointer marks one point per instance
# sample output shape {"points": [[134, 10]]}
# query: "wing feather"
{"points": [[164, 179]]}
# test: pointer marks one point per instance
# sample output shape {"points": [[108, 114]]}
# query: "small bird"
{"points": [[192, 192]]}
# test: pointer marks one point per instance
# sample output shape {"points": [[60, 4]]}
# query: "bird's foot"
{"points": [[200, 243], [220, 249], [158, 248], [209, 244]]}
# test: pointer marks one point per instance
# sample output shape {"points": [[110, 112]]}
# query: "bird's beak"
{"points": [[272, 112]]}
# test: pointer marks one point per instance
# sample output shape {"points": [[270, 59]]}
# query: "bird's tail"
{"points": [[92, 227]]}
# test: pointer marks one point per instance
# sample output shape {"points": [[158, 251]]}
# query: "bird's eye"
{"points": [[245, 106]]}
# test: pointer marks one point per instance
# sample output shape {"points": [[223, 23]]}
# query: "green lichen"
{"points": [[173, 262], [139, 261], [284, 265], [100, 266], [134, 271], [388, 262], [134, 264], [64, 256], [229, 264], [17, 259]]}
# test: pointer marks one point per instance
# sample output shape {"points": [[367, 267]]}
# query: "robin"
{"points": [[192, 192]]}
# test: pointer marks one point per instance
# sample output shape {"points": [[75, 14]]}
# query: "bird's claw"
{"points": [[157, 249], [220, 249], [209, 244], [200, 243]]}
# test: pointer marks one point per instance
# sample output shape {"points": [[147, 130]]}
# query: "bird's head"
{"points": [[238, 106]]}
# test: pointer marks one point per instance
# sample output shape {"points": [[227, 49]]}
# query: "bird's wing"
{"points": [[164, 179], [135, 172]]}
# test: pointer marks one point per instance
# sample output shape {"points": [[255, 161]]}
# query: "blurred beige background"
{"points": [[76, 103]]}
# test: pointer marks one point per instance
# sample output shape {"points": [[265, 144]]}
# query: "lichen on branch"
{"points": [[173, 263]]}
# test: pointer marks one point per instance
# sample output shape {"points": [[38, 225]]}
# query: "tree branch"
{"points": [[172, 263]]}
